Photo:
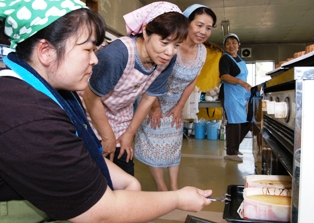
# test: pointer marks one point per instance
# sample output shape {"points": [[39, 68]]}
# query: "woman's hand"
{"points": [[177, 117], [154, 117], [233, 80], [193, 199], [109, 147], [246, 86], [126, 140]]}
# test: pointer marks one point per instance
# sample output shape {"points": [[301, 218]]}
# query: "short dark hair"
{"points": [[4, 39], [204, 10], [170, 23], [60, 30]]}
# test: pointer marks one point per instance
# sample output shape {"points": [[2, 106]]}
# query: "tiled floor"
{"points": [[203, 166]]}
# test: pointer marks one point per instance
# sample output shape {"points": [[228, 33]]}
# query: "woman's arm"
{"points": [[139, 206], [98, 115], [176, 112], [233, 80], [121, 180], [126, 139], [155, 115]]}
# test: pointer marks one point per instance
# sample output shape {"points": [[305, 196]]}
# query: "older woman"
{"points": [[159, 140]]}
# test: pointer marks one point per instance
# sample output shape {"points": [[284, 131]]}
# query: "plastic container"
{"points": [[269, 181], [187, 128], [268, 211], [212, 130], [222, 132], [199, 130]]}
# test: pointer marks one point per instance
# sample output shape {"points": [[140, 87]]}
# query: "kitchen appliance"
{"points": [[285, 135], [286, 130], [283, 121]]}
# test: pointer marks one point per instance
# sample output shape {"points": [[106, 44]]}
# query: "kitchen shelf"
{"points": [[304, 60], [209, 104]]}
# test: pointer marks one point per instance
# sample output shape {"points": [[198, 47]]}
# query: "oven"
{"points": [[284, 121], [278, 129]]}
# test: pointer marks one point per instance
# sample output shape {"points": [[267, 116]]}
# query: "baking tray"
{"points": [[230, 212], [193, 219]]}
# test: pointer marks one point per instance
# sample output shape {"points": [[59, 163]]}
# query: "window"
{"points": [[257, 71]]}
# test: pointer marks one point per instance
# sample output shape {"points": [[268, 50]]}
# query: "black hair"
{"points": [[204, 10], [4, 39], [170, 23], [60, 30]]}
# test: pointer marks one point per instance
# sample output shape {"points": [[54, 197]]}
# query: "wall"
{"points": [[274, 52], [113, 10]]}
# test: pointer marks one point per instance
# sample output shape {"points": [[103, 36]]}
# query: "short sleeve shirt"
{"points": [[112, 60], [228, 66], [41, 158]]}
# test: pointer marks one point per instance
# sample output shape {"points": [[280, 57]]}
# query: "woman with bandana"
{"points": [[51, 164], [135, 65], [158, 141], [234, 94]]}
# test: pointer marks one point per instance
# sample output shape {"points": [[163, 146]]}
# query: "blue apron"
{"points": [[236, 96]]}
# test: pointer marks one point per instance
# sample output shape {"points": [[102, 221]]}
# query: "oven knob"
{"points": [[281, 109], [264, 105], [270, 107]]}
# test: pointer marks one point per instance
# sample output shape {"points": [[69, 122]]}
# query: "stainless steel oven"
{"points": [[286, 126], [279, 131]]}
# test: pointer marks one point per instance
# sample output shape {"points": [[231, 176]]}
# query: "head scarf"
{"points": [[230, 35], [189, 10], [137, 18], [24, 18]]}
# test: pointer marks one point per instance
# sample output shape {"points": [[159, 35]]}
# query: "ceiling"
{"points": [[260, 21]]}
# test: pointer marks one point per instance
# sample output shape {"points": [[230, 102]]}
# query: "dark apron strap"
{"points": [[250, 104]]}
